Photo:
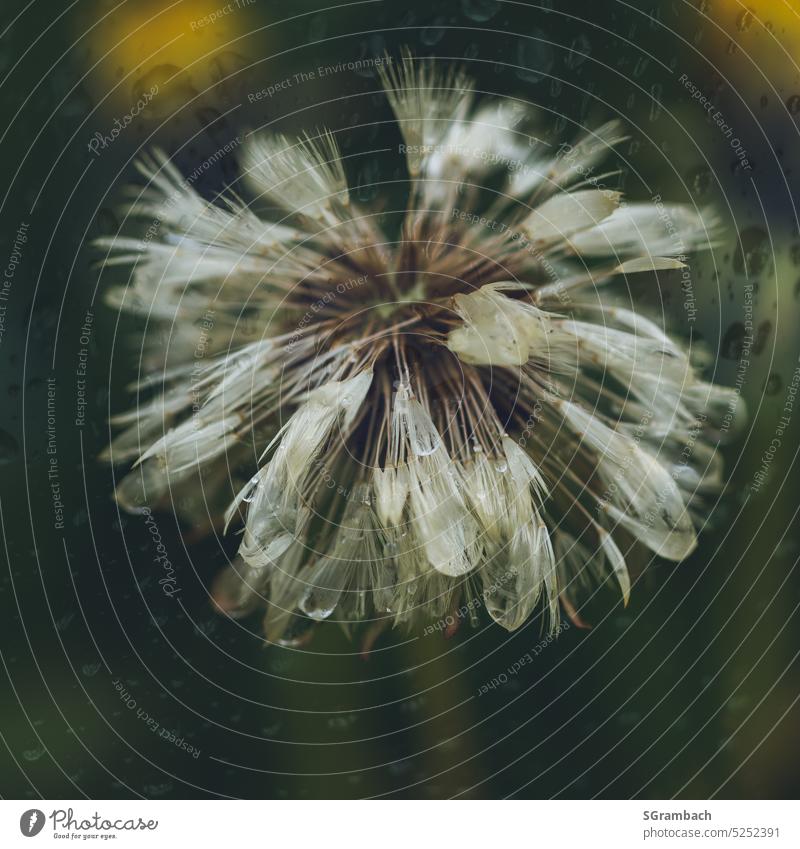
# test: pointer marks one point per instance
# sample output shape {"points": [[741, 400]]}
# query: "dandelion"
{"points": [[403, 415]]}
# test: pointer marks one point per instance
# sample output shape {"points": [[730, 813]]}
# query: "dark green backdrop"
{"points": [[690, 691]]}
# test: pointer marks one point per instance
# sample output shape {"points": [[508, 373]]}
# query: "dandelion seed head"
{"points": [[398, 422]]}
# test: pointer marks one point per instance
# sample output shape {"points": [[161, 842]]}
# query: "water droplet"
{"points": [[433, 34], [9, 448], [752, 255], [762, 336], [732, 342], [580, 48], [480, 10], [158, 789], [745, 19], [774, 384], [228, 64], [535, 56], [699, 180], [77, 105], [318, 27], [793, 104], [423, 447], [368, 184], [317, 613], [252, 489], [211, 120]]}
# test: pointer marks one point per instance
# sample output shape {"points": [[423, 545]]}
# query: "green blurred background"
{"points": [[691, 691]]}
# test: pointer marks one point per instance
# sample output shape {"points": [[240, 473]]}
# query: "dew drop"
{"points": [[78, 105], [774, 384], [762, 336], [318, 613], [732, 342], [227, 63], [744, 20], [752, 253], [700, 180], [480, 10], [580, 48], [252, 489], [433, 34], [64, 622], [9, 448], [535, 57]]}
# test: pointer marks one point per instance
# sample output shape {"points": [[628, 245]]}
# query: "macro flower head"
{"points": [[402, 413]]}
